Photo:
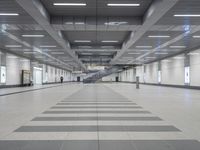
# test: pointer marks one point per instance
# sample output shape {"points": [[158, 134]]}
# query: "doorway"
{"points": [[116, 79], [37, 76], [78, 79]]}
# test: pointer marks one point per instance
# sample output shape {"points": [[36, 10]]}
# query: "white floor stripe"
{"points": [[94, 115], [93, 136]]}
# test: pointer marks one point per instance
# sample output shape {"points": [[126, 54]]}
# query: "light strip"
{"points": [[13, 46], [48, 46], [158, 36], [69, 4], [177, 46], [196, 36], [124, 5], [26, 35], [29, 52], [143, 46], [82, 41], [192, 53], [187, 15], [109, 41], [134, 53], [9, 14], [107, 47]]}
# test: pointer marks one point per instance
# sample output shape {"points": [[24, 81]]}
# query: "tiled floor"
{"points": [[97, 117]]}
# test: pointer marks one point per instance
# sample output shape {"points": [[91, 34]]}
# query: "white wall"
{"points": [[14, 67], [128, 75], [173, 71], [140, 73], [195, 68], [110, 78], [151, 75]]}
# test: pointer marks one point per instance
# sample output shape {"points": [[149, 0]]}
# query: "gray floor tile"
{"points": [[95, 129], [101, 145]]}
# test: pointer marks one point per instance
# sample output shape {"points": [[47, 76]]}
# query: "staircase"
{"points": [[94, 77]]}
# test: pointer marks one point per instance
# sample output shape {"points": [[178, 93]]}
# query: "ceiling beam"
{"points": [[13, 37], [155, 12], [178, 38], [35, 9]]}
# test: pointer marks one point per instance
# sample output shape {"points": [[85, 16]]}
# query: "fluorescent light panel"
{"points": [[158, 36], [134, 53], [48, 46], [192, 53], [123, 5], [34, 35], [109, 41], [196, 36], [187, 15], [143, 46], [9, 14], [12, 46], [177, 46], [82, 41], [69, 4]]}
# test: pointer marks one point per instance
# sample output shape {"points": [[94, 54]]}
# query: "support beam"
{"points": [[156, 11], [35, 9], [178, 38]]}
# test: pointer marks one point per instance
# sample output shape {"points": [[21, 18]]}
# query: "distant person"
{"points": [[61, 79]]}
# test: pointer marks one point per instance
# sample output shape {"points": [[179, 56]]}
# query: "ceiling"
{"points": [[76, 36]]}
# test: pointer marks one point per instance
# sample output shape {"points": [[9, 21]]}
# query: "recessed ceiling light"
{"points": [[29, 52], [82, 41], [115, 23], [85, 47], [9, 14], [177, 46], [69, 4], [187, 15], [196, 36], [48, 46], [192, 53], [134, 53], [34, 35], [86, 53], [79, 23], [158, 36], [109, 41], [12, 46], [124, 5], [143, 46], [107, 47]]}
